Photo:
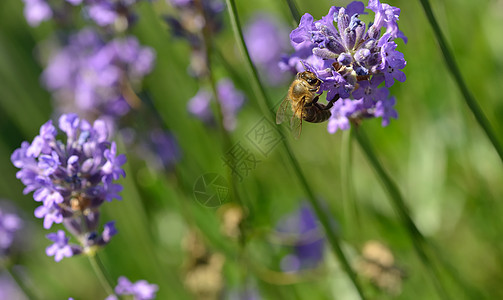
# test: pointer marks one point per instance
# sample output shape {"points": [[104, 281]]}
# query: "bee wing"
{"points": [[284, 111], [296, 123]]}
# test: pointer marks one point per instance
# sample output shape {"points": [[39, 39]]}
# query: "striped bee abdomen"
{"points": [[316, 113]]}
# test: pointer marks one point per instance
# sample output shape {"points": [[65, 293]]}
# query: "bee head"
{"points": [[310, 78]]}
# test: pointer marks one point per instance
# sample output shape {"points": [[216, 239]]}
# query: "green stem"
{"points": [[102, 274], [418, 240], [294, 11], [21, 284], [332, 236], [458, 78], [352, 216], [256, 84], [227, 139]]}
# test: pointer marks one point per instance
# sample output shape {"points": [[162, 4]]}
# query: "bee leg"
{"points": [[331, 102], [315, 99]]}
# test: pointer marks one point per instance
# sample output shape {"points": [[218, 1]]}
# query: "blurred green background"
{"points": [[447, 170]]}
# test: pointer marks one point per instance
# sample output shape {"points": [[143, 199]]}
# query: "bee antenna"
{"points": [[304, 65]]}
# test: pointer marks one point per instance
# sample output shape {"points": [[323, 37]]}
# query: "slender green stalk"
{"points": [[21, 283], [227, 144], [98, 267], [102, 274], [458, 78], [294, 10], [418, 240], [332, 236], [227, 139], [352, 216]]}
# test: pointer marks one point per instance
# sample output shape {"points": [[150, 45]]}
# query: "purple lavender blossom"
{"points": [[306, 238], [266, 43], [342, 111], [92, 77], [231, 101], [351, 60], [71, 178], [140, 290], [60, 248], [385, 109], [10, 224]]}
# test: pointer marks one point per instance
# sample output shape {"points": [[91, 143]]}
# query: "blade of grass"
{"points": [[458, 78], [332, 237]]}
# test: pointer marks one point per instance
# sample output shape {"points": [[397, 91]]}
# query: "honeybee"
{"points": [[301, 103]]}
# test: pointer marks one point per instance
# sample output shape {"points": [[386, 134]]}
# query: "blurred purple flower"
{"points": [[90, 76], [103, 12], [78, 180], [140, 290], [164, 147], [36, 11], [158, 147], [231, 101], [266, 42], [10, 224], [351, 60], [306, 238], [192, 21], [9, 289], [199, 106]]}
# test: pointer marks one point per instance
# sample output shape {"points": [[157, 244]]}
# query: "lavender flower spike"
{"points": [[352, 60], [71, 178]]}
